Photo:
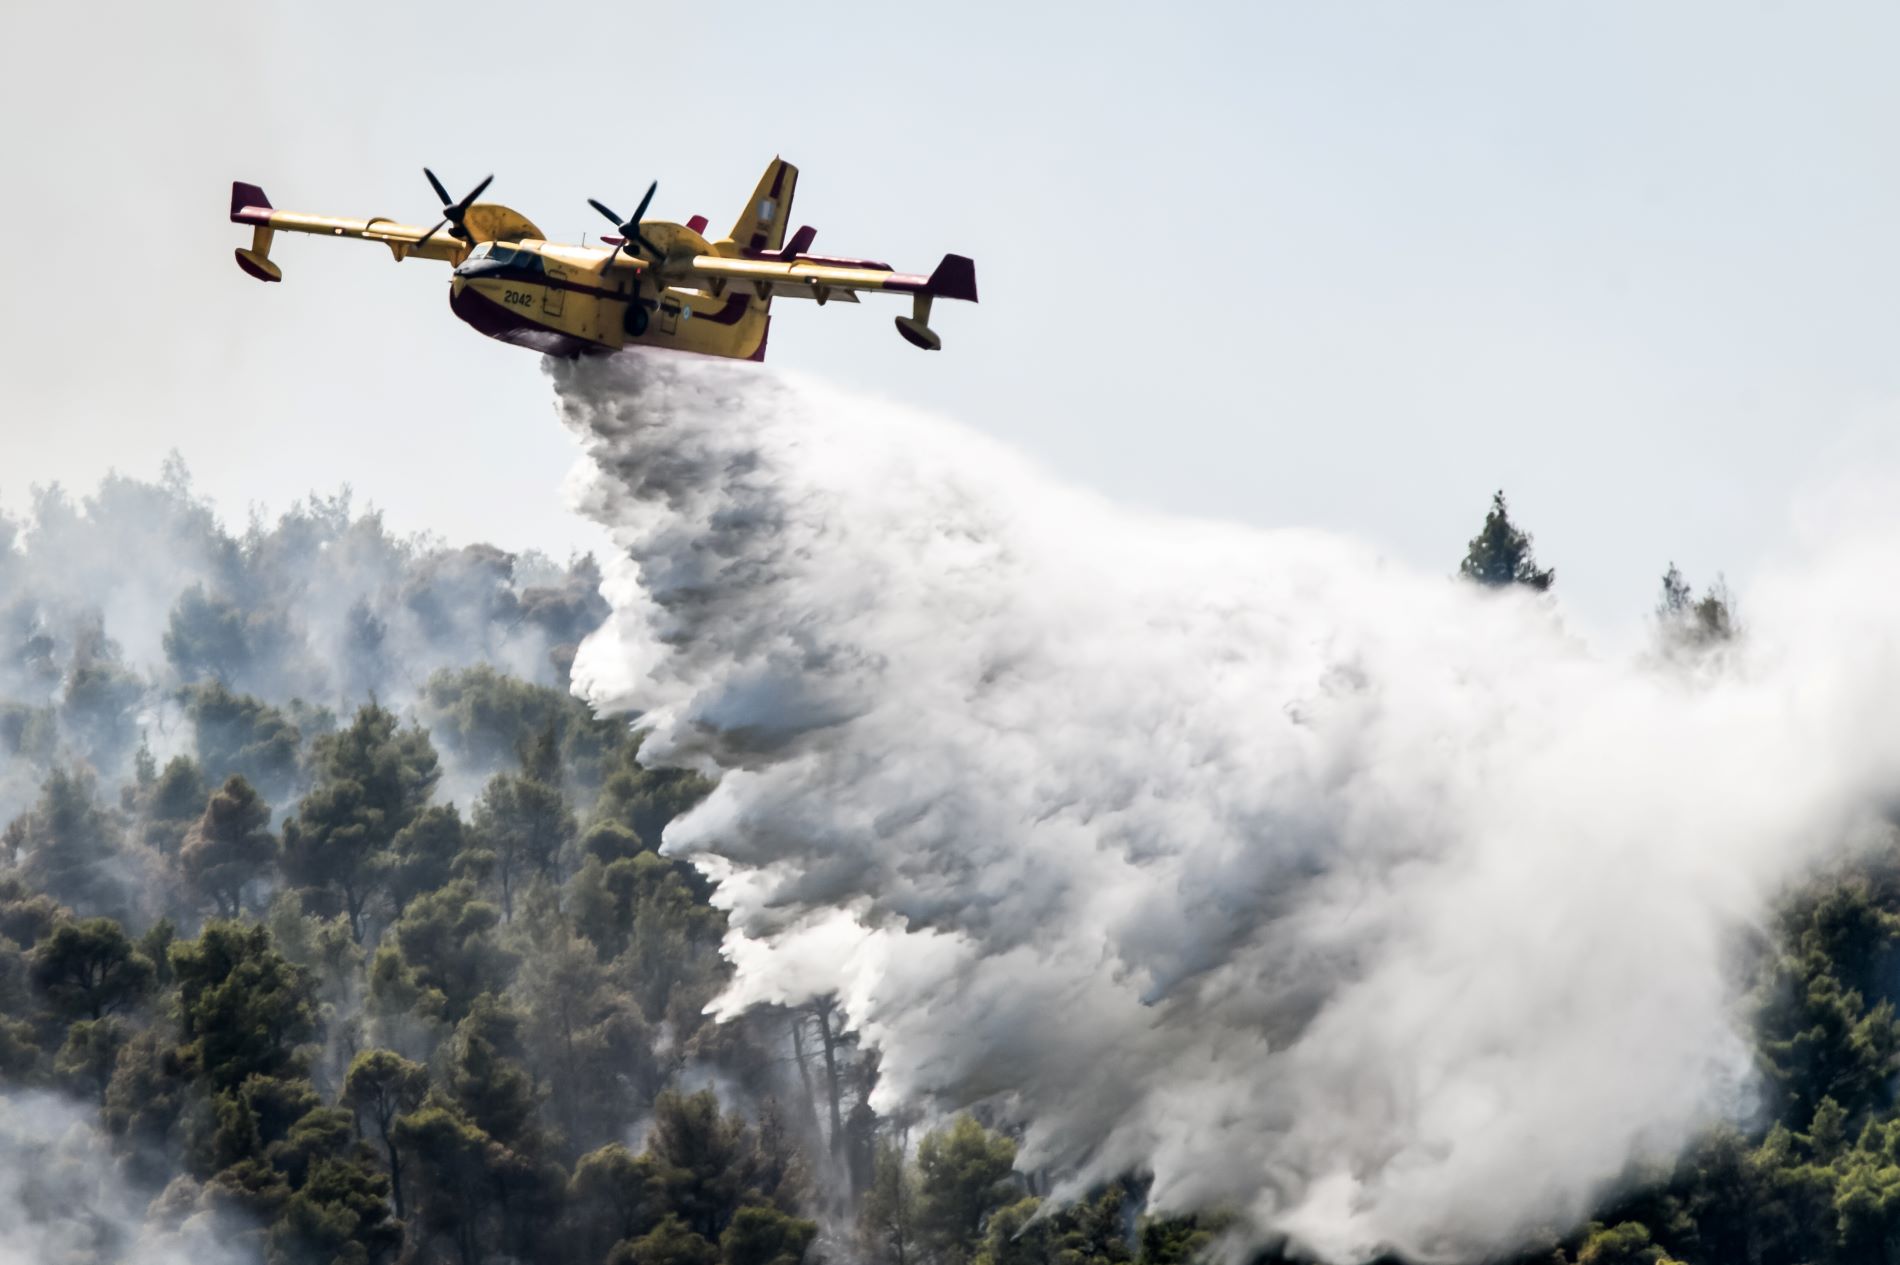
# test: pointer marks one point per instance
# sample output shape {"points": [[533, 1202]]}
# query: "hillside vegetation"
{"points": [[339, 932]]}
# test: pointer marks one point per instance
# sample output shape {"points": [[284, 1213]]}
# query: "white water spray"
{"points": [[1353, 897]]}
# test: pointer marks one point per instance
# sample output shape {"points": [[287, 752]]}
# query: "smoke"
{"points": [[114, 604], [1373, 905], [62, 1199], [323, 603]]}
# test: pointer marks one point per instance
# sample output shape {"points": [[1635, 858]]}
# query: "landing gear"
{"points": [[637, 319]]}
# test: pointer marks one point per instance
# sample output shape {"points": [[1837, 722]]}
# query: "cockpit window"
{"points": [[499, 257]]}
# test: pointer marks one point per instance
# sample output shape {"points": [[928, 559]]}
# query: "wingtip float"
{"points": [[653, 283]]}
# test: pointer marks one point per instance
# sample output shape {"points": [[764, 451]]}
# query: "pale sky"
{"points": [[1345, 265]]}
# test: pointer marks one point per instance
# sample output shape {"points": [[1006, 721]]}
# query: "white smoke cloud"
{"points": [[320, 604], [62, 1201], [1377, 906]]}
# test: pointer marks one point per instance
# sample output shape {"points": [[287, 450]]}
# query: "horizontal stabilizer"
{"points": [[955, 278]]}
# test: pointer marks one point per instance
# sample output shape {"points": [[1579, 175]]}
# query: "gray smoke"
{"points": [[62, 1199], [113, 603], [1379, 907], [328, 604]]}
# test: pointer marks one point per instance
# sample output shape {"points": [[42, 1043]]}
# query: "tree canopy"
{"points": [[1500, 554]]}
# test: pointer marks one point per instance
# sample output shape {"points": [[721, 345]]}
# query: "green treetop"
{"points": [[1500, 555]]}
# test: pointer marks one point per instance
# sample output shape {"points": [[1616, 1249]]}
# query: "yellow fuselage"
{"points": [[564, 299]]}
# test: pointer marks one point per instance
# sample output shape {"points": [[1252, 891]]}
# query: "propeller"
{"points": [[453, 212], [629, 230]]}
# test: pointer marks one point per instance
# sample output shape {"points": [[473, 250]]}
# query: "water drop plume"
{"points": [[1379, 908]]}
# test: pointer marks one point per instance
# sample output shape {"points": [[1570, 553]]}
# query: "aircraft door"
{"points": [[553, 295]]}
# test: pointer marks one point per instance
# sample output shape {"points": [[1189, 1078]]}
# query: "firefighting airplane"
{"points": [[655, 284]]}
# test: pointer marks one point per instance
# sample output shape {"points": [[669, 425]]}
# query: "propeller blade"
{"points": [[653, 250], [453, 212], [641, 214], [629, 229], [426, 236], [474, 193]]}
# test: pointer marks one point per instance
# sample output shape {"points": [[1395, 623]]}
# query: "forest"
{"points": [[334, 929]]}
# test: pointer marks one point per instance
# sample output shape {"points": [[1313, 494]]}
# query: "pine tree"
{"points": [[1689, 623], [229, 847], [380, 1086], [67, 845], [90, 969], [1500, 555], [374, 778], [964, 1173]]}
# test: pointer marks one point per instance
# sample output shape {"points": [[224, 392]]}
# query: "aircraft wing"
{"points": [[804, 276], [480, 222], [401, 239], [250, 206]]}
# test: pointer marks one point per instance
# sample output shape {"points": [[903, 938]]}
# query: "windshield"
{"points": [[498, 256]]}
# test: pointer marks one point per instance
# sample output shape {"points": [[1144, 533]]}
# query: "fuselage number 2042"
{"points": [[521, 298]]}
